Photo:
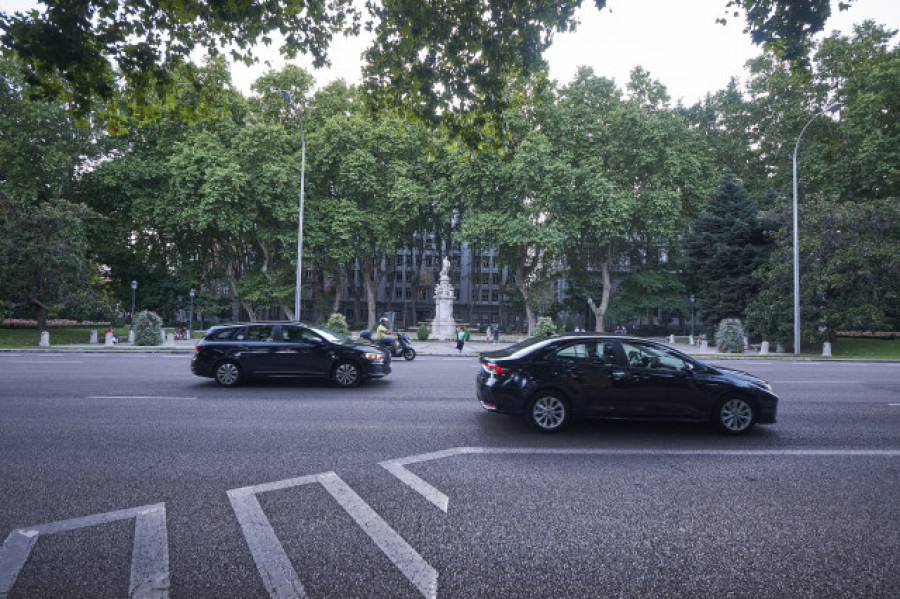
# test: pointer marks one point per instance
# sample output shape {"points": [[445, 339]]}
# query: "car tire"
{"points": [[734, 415], [346, 374], [548, 412], [409, 354], [228, 374]]}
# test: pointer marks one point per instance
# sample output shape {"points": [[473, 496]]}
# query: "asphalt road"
{"points": [[124, 475]]}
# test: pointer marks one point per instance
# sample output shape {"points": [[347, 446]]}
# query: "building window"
{"points": [[485, 296], [495, 296]]}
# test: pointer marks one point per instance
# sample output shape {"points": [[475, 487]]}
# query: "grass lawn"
{"points": [[854, 347], [848, 348]]}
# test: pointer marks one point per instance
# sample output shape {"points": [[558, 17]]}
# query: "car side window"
{"points": [[295, 334], [259, 333], [649, 356], [577, 350], [224, 334], [606, 353]]}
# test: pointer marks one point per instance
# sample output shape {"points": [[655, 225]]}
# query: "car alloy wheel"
{"points": [[228, 374], [346, 374], [548, 413], [735, 416]]}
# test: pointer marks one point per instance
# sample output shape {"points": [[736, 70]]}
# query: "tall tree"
{"points": [[634, 173], [723, 249]]}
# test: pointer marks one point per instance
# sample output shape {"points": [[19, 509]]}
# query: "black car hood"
{"points": [[741, 375]]}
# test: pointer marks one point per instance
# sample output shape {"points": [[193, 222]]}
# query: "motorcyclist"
{"points": [[384, 335]]}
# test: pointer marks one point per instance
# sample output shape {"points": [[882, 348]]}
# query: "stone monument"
{"points": [[443, 326]]}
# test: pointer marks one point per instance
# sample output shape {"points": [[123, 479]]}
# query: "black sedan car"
{"points": [[235, 353], [552, 380]]}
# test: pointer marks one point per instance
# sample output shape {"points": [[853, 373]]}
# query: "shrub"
{"points": [[544, 325], [337, 323], [422, 332], [730, 336], [147, 328]]}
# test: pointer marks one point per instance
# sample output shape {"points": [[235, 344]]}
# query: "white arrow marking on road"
{"points": [[149, 558], [279, 576], [442, 501]]}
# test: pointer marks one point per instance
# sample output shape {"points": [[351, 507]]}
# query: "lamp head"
{"points": [[286, 95], [833, 107], [134, 284], [192, 293]]}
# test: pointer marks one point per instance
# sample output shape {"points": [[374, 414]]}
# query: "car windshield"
{"points": [[329, 334]]}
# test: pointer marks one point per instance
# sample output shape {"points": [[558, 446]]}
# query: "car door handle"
{"points": [[618, 375]]}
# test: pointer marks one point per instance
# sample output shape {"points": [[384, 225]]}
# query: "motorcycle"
{"points": [[404, 347]]}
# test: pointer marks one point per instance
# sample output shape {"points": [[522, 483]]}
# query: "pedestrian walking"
{"points": [[460, 339]]}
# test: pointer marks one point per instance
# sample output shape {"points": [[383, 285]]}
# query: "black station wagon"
{"points": [[551, 381], [235, 353]]}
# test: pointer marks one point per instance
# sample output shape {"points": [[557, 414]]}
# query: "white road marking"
{"points": [[442, 501], [137, 397], [45, 362], [149, 558], [279, 576]]}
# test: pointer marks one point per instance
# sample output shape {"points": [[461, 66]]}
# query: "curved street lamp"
{"points": [[828, 109], [287, 98]]}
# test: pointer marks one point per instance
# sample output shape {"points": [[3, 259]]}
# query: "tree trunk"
{"points": [[600, 311], [522, 284]]}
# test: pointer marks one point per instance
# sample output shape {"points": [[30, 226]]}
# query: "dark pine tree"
{"points": [[725, 246]]}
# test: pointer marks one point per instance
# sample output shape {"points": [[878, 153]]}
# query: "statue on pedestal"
{"points": [[443, 325]]}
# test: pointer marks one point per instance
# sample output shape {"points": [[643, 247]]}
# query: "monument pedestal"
{"points": [[443, 326]]}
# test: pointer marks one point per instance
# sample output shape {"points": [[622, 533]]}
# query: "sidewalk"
{"points": [[447, 348]]}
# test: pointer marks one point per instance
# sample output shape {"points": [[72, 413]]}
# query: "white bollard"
{"points": [[109, 341], [45, 339], [672, 339], [94, 337], [764, 348], [170, 340], [704, 346], [131, 336], [690, 340], [826, 350]]}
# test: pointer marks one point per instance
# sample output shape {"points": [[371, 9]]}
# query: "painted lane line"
{"points": [[150, 555], [419, 572], [278, 574], [137, 397], [442, 501], [149, 558]]}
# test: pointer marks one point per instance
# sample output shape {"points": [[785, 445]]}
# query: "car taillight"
{"points": [[496, 368]]}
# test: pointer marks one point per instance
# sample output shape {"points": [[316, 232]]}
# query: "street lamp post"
{"points": [[133, 289], [191, 293], [692, 316], [287, 97], [829, 108]]}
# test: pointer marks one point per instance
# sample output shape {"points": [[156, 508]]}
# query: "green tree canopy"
{"points": [[723, 249]]}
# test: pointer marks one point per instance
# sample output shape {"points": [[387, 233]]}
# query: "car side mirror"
{"points": [[687, 369]]}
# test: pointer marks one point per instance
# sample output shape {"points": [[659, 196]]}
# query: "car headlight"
{"points": [[374, 356]]}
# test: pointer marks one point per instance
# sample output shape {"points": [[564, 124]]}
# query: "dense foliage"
{"points": [[603, 201]]}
